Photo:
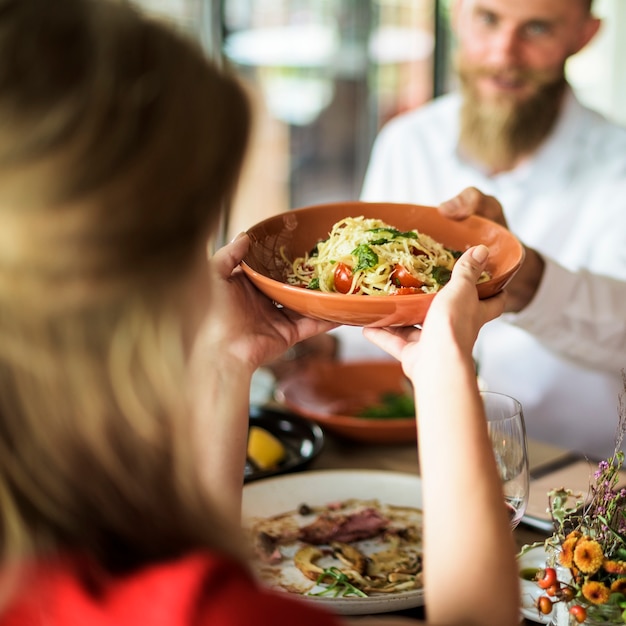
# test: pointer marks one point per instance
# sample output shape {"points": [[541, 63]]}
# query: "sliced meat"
{"points": [[329, 527]]}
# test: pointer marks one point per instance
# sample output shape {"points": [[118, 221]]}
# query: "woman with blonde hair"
{"points": [[126, 350]]}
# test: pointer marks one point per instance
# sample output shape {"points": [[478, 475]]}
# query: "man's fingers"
{"points": [[466, 203], [471, 201]]}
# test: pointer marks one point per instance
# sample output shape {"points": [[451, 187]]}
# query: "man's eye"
{"points": [[487, 18], [535, 29]]}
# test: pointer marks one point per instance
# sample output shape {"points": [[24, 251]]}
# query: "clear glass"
{"points": [[507, 430]]}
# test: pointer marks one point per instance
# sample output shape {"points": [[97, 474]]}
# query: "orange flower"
{"points": [[619, 586], [596, 592], [615, 567], [588, 556], [566, 556], [574, 534]]}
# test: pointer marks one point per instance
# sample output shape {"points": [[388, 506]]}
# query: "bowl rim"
{"points": [[339, 297], [352, 421]]}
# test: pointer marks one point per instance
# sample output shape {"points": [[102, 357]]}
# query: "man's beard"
{"points": [[498, 133]]}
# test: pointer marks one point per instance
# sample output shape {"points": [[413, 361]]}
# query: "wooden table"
{"points": [[342, 454]]}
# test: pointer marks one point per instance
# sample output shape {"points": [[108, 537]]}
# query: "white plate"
{"points": [[284, 493], [535, 557]]}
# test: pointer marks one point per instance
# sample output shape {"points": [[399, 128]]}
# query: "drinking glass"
{"points": [[505, 420]]}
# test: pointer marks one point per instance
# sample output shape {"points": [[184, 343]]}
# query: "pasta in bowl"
{"points": [[369, 257], [281, 246]]}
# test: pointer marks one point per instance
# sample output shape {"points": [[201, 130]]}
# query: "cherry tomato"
{"points": [[343, 278], [416, 251], [406, 291], [548, 579], [579, 613], [544, 604], [403, 278]]}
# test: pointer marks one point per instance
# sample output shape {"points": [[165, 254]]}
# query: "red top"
{"points": [[198, 590]]}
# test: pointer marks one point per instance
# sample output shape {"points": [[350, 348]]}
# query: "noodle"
{"points": [[369, 257]]}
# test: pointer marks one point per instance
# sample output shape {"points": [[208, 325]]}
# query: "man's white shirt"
{"points": [[562, 356]]}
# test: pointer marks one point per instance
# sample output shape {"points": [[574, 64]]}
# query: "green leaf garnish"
{"points": [[394, 232], [441, 274], [366, 257], [340, 587], [393, 404]]}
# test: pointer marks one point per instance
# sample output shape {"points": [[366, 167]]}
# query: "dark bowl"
{"points": [[303, 441]]}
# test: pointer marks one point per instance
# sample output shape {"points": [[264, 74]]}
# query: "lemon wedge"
{"points": [[264, 450]]}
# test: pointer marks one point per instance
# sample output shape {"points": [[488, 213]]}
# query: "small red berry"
{"points": [[579, 613], [544, 604], [548, 577], [553, 590]]}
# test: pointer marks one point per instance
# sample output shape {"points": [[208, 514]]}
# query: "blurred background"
{"points": [[325, 75]]}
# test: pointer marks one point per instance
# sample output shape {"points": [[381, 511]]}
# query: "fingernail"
{"points": [[480, 253]]}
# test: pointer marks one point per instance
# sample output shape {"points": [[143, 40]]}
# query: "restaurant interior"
{"points": [[325, 75]]}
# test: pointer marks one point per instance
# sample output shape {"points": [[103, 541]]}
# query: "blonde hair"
{"points": [[119, 145]]}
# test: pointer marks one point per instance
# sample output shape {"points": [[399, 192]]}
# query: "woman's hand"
{"points": [[243, 323], [456, 313]]}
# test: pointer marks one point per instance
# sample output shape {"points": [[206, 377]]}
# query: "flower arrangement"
{"points": [[587, 552]]}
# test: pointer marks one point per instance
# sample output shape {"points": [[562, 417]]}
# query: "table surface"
{"points": [[343, 454]]}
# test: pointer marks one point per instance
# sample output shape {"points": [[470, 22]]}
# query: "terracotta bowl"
{"points": [[297, 231], [332, 393]]}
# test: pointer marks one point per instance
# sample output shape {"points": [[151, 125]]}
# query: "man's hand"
{"points": [[471, 201], [523, 287]]}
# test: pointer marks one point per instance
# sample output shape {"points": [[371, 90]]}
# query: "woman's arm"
{"points": [[244, 330], [468, 543]]}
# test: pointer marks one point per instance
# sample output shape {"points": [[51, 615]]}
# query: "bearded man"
{"points": [[516, 131]]}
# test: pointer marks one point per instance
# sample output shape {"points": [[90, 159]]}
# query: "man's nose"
{"points": [[505, 47]]}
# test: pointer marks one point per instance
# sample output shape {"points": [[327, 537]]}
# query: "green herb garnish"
{"points": [[340, 587], [394, 232], [441, 274], [393, 404], [366, 257]]}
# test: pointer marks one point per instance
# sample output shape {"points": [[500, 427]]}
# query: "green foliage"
{"points": [[392, 404]]}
